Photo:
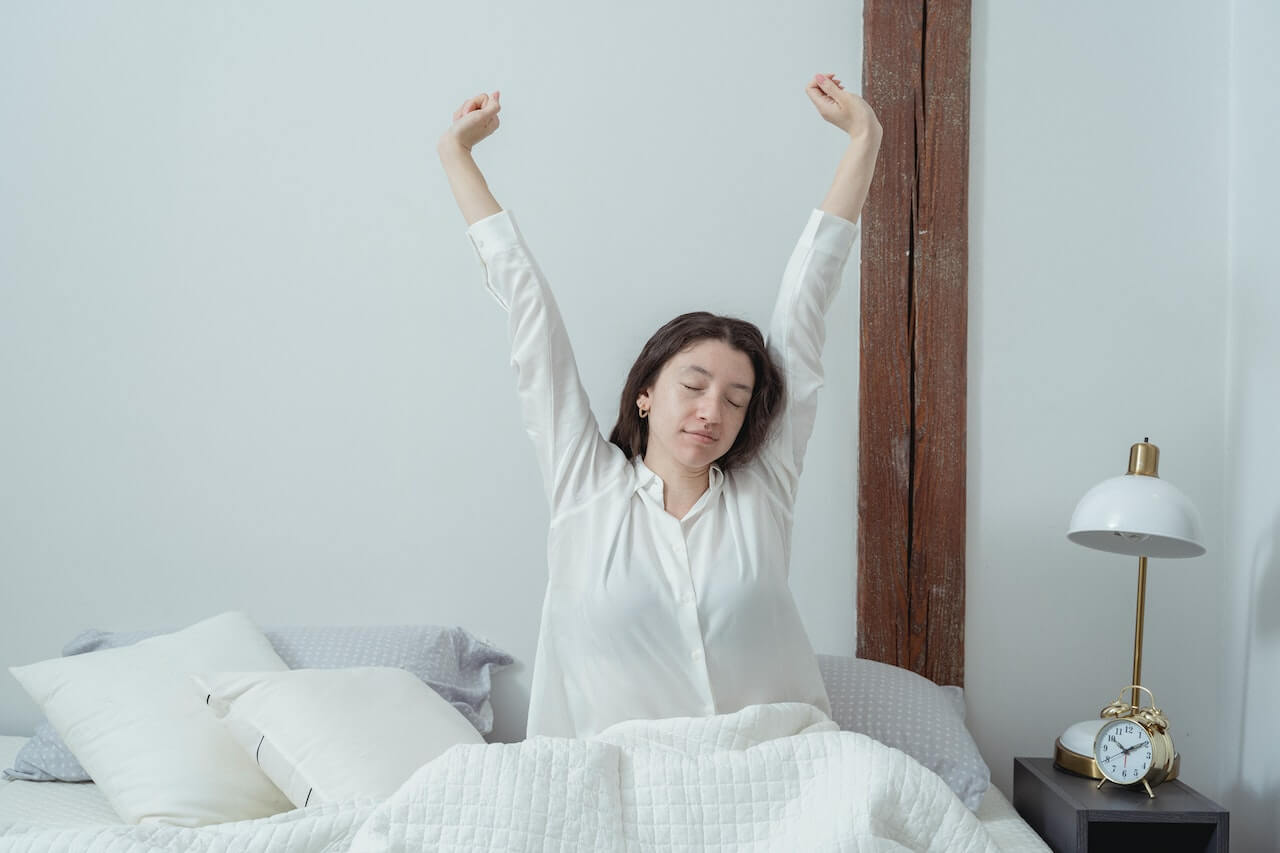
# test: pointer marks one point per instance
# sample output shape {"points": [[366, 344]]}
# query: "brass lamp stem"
{"points": [[1144, 460], [1137, 631]]}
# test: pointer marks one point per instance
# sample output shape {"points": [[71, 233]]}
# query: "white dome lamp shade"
{"points": [[1140, 515]]}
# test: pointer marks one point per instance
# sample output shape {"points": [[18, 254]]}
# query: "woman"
{"points": [[669, 543]]}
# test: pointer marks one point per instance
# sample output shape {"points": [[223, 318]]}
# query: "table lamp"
{"points": [[1143, 516]]}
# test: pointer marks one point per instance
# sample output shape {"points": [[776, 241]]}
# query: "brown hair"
{"points": [[631, 432]]}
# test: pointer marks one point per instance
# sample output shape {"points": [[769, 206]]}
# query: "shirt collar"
{"points": [[650, 483]]}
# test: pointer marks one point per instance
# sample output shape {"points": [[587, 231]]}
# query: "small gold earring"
{"points": [[644, 413]]}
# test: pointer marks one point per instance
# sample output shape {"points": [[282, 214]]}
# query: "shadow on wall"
{"points": [[1256, 789], [1265, 580], [510, 700]]}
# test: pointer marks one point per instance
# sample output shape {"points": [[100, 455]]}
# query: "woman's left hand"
{"points": [[844, 109]]}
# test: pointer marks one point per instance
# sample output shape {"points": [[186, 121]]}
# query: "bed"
{"points": [[224, 736]]}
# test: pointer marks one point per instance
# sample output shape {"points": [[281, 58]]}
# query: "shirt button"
{"points": [[685, 598], [697, 654]]}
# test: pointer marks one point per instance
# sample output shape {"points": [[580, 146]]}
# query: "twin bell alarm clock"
{"points": [[1128, 745]]}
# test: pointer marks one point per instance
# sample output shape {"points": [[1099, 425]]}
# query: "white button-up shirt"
{"points": [[647, 615]]}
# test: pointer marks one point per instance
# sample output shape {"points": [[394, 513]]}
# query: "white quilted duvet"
{"points": [[770, 777]]}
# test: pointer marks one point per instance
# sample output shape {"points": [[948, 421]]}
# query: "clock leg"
{"points": [[1150, 793], [1101, 782]]}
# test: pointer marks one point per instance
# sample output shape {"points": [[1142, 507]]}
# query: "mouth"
{"points": [[702, 437]]}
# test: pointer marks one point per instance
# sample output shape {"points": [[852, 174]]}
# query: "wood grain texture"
{"points": [[890, 78], [911, 471]]}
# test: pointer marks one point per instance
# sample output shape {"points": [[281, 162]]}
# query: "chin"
{"points": [[703, 459]]}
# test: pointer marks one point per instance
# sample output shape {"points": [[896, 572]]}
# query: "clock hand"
{"points": [[1137, 745], [1125, 752]]}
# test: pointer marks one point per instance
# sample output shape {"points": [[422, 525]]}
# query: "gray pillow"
{"points": [[453, 662], [911, 713]]}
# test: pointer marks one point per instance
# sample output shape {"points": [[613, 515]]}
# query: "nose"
{"points": [[709, 411]]}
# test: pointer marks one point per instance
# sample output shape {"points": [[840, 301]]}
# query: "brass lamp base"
{"points": [[1074, 762]]}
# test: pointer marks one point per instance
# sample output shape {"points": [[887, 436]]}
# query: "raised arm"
{"points": [[474, 120], [575, 460], [797, 329], [854, 116]]}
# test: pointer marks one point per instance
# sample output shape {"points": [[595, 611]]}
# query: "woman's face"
{"points": [[697, 404]]}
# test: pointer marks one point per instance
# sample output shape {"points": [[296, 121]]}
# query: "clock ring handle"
{"points": [[1151, 715], [1117, 709]]}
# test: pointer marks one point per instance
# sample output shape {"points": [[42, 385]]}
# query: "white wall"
{"points": [[1098, 285], [1251, 571], [246, 358]]}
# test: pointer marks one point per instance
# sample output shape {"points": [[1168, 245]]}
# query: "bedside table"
{"points": [[1072, 816]]}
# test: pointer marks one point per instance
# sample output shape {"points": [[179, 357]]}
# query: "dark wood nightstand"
{"points": [[1073, 816]]}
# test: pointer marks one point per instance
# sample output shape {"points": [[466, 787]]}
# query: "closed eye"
{"points": [[726, 399]]}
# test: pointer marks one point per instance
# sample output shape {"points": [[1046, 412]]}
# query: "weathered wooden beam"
{"points": [[911, 470]]}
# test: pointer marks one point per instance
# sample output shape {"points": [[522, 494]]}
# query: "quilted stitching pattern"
{"points": [[767, 778]]}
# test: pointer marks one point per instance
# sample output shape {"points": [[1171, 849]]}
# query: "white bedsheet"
{"points": [[1006, 827], [738, 781]]}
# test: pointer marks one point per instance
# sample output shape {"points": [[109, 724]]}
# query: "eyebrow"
{"points": [[707, 373]]}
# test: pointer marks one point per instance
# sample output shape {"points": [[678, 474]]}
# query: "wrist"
{"points": [[449, 146], [866, 134]]}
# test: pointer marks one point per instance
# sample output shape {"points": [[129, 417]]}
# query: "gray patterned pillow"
{"points": [[453, 662], [911, 713]]}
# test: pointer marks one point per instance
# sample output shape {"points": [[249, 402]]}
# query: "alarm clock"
{"points": [[1133, 746]]}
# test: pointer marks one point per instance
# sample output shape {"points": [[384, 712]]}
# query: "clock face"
{"points": [[1123, 751]]}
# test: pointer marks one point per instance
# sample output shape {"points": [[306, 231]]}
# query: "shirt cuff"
{"points": [[833, 235], [494, 234]]}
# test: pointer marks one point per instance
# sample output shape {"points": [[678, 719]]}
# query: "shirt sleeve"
{"points": [[575, 460], [797, 333]]}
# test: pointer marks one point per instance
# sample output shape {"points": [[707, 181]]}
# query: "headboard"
{"points": [[911, 437]]}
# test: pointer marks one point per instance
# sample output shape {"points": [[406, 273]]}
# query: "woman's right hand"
{"points": [[474, 120], [845, 110]]}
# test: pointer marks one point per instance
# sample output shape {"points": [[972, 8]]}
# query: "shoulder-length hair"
{"points": [[631, 432]]}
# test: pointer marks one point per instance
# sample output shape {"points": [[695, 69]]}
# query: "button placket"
{"points": [[689, 615], [698, 660], [684, 590], [680, 574]]}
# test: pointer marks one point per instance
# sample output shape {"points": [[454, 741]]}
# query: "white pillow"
{"points": [[132, 719], [334, 734]]}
